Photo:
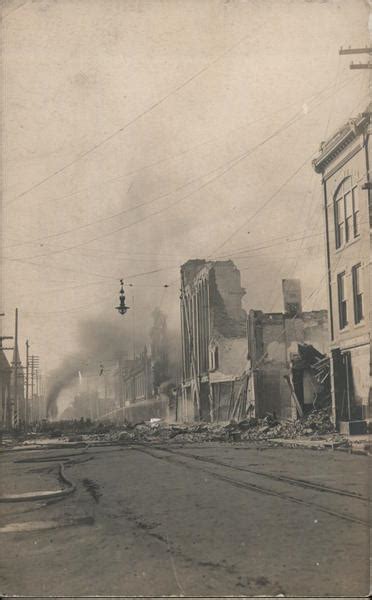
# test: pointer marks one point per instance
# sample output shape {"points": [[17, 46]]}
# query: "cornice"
{"points": [[341, 140], [343, 162]]}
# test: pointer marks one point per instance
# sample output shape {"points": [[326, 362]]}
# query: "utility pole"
{"points": [[105, 393], [32, 391], [121, 389], [89, 406], [366, 50], [27, 383], [34, 367], [41, 396], [37, 395], [15, 403], [134, 329]]}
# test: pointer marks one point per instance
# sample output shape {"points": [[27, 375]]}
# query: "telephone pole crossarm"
{"points": [[366, 50], [361, 65]]}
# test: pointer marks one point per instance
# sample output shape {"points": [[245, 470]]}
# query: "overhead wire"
{"points": [[172, 157], [136, 275], [13, 10], [240, 227], [253, 252], [137, 117], [293, 269], [228, 166], [231, 164], [316, 289], [328, 273]]}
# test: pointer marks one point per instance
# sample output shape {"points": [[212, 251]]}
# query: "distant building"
{"points": [[146, 391], [17, 406], [344, 163], [137, 377], [273, 345], [159, 349], [214, 341]]}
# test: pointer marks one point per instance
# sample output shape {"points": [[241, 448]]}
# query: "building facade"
{"points": [[147, 391], [17, 406], [344, 164], [137, 379], [214, 341]]}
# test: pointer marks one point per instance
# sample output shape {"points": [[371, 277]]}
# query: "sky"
{"points": [[138, 134]]}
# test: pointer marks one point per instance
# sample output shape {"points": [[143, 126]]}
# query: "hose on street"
{"points": [[44, 494]]}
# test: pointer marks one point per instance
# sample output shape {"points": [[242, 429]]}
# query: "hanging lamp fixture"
{"points": [[122, 308]]}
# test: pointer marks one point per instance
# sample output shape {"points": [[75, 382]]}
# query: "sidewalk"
{"points": [[359, 445]]}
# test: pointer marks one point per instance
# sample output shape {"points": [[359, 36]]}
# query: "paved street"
{"points": [[212, 519]]}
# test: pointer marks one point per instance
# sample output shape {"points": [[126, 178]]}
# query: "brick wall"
{"points": [[272, 337]]}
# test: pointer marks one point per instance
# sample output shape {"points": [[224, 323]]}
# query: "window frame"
{"points": [[356, 277], [346, 213], [342, 300], [213, 358]]}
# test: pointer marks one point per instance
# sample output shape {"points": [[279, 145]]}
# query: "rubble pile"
{"points": [[315, 424]]}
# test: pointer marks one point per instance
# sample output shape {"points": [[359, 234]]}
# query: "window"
{"points": [[213, 358], [355, 213], [346, 208], [357, 293], [339, 218], [342, 302], [348, 216]]}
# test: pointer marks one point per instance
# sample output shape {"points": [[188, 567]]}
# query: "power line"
{"points": [[53, 266], [168, 158], [240, 253], [15, 9], [135, 119], [85, 306], [263, 206], [171, 267], [313, 180], [269, 200], [68, 310], [231, 164], [165, 159], [142, 204], [179, 188]]}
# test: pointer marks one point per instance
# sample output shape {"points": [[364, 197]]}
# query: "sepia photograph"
{"points": [[185, 299]]}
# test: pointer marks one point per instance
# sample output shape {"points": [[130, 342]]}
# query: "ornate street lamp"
{"points": [[122, 308]]}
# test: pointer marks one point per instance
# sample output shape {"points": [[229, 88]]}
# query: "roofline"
{"points": [[335, 145]]}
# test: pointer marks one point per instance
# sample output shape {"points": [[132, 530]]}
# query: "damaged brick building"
{"points": [[214, 341], [344, 164], [282, 383]]}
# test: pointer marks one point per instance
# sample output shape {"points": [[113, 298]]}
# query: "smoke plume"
{"points": [[99, 341]]}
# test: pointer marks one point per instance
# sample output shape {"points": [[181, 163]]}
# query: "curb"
{"points": [[340, 447], [30, 448]]}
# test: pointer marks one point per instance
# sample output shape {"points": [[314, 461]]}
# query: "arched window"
{"points": [[346, 209]]}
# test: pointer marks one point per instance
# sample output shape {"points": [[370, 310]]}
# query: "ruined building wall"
{"points": [[213, 336], [272, 338]]}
